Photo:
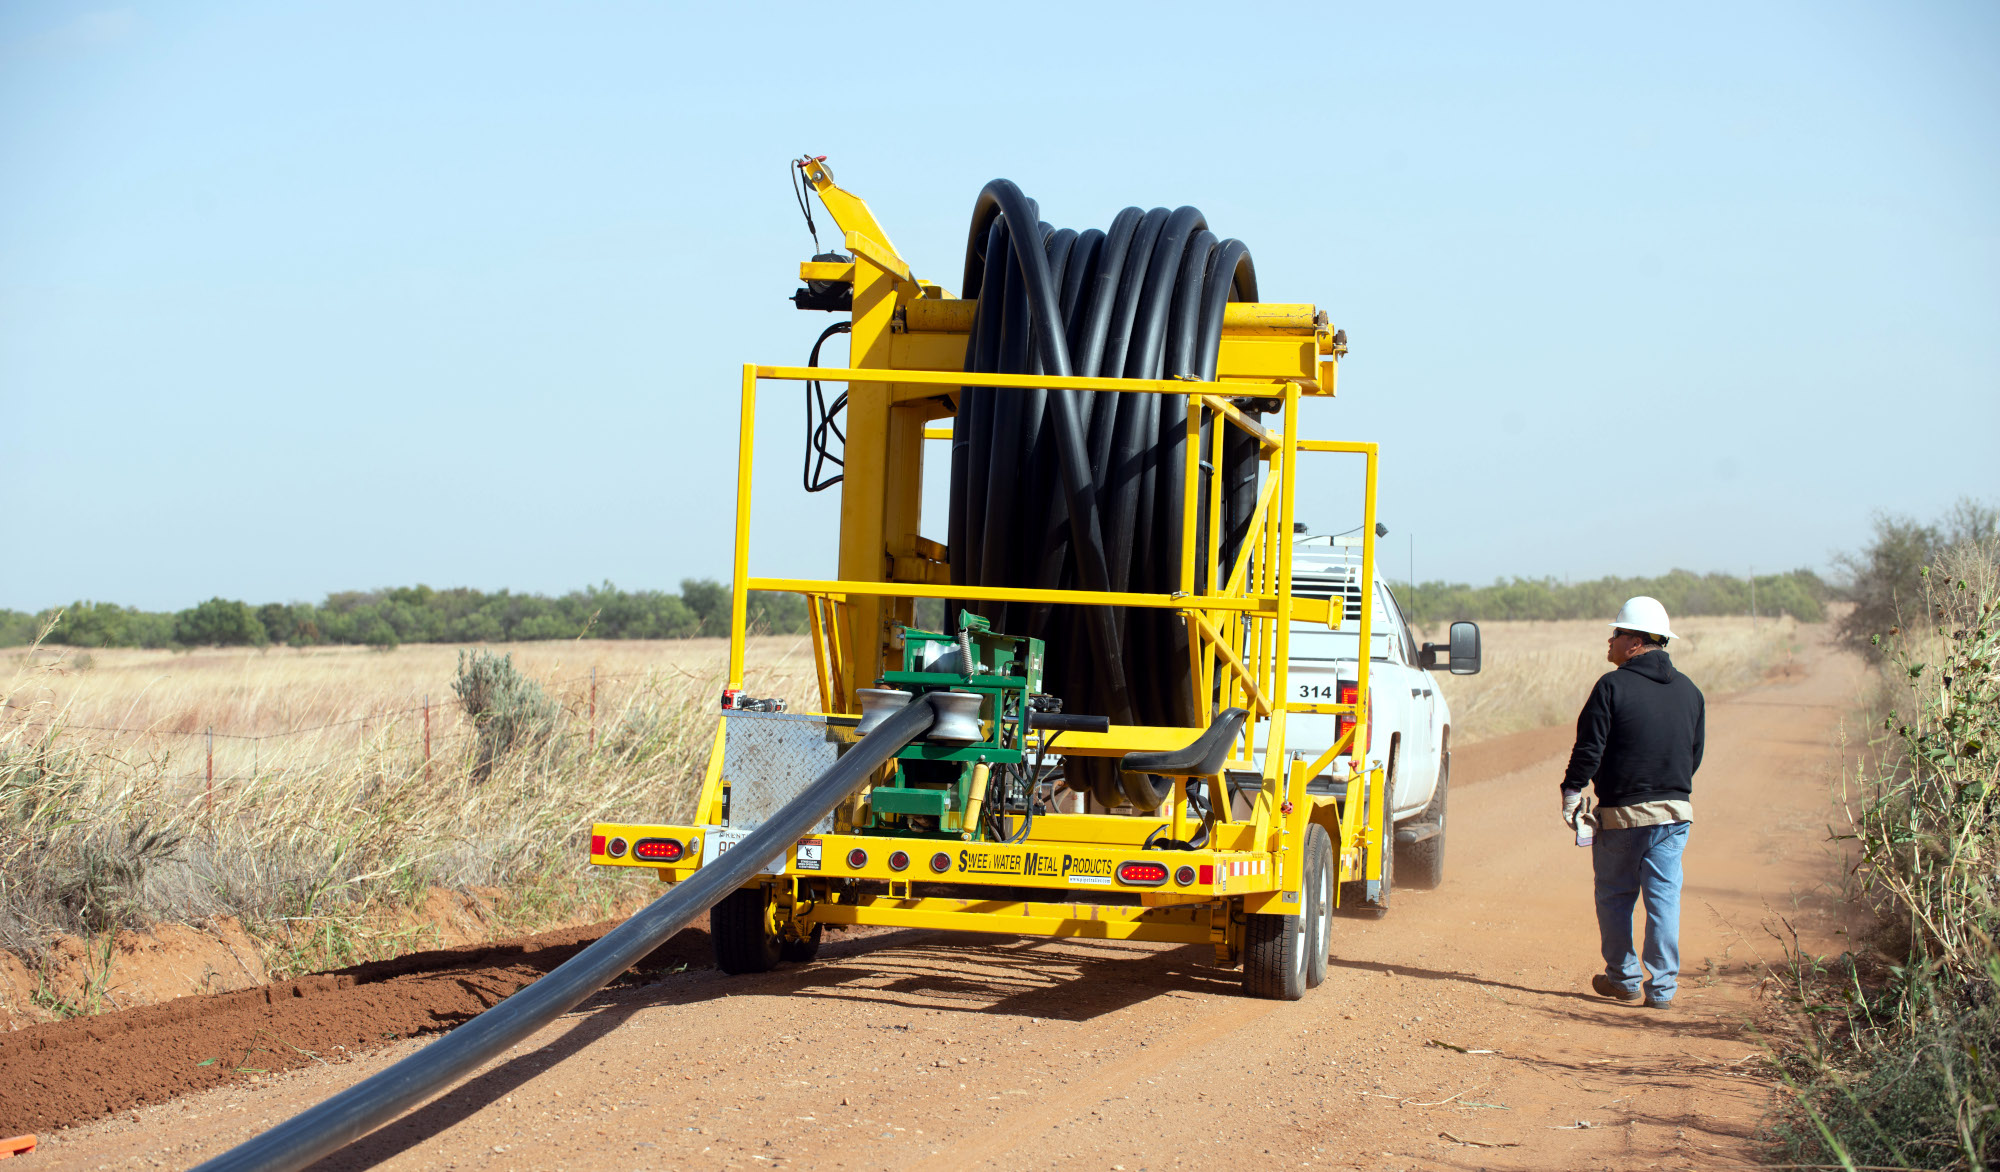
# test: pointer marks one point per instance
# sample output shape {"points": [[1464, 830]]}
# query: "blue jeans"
{"points": [[1628, 862]]}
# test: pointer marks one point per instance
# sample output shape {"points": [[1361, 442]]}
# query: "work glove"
{"points": [[1572, 802]]}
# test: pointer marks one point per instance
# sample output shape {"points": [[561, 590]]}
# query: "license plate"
{"points": [[721, 840]]}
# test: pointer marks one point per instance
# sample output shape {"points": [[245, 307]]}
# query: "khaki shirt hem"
{"points": [[1644, 814]]}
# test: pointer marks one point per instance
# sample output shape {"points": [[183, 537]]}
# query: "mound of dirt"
{"points": [[70, 1072], [138, 968]]}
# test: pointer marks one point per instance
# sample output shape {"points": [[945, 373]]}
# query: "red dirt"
{"points": [[1457, 1033], [70, 1072]]}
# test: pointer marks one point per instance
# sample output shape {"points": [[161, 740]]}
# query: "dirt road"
{"points": [[1457, 1033]]}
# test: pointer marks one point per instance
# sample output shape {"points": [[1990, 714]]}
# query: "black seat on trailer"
{"points": [[1203, 758]]}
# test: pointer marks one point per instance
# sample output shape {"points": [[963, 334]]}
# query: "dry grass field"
{"points": [[328, 834], [325, 830], [1539, 673]]}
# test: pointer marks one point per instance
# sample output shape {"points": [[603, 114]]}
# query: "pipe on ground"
{"points": [[379, 1098]]}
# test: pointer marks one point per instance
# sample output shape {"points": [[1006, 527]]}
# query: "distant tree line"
{"points": [[416, 614], [1882, 576], [1800, 593]]}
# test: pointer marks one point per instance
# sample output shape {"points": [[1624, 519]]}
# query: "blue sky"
{"points": [[298, 298]]}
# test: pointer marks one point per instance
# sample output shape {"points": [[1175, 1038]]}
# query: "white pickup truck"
{"points": [[1409, 722]]}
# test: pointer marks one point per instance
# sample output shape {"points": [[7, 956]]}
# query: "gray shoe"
{"points": [[1605, 987], [1655, 1003]]}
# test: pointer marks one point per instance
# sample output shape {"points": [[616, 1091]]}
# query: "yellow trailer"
{"points": [[970, 832]]}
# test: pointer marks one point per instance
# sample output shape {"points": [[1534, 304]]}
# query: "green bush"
{"points": [[708, 600], [17, 628], [106, 624], [509, 710], [219, 622]]}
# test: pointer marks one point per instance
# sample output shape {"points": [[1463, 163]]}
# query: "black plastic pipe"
{"points": [[376, 1100], [1065, 489]]}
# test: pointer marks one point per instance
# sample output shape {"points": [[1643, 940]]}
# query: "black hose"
{"points": [[1067, 490], [821, 421], [368, 1104]]}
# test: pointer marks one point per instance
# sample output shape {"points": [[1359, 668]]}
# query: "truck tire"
{"points": [[1319, 902], [1421, 864], [736, 927], [803, 950]]}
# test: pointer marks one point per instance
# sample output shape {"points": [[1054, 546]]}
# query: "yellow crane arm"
{"points": [[865, 237]]}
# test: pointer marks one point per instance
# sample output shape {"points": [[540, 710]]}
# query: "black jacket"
{"points": [[1640, 734]]}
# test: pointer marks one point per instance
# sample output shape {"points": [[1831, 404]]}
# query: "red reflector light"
{"points": [[1207, 874], [1142, 874], [898, 860], [658, 850], [1184, 875], [1349, 692], [940, 862], [596, 844], [857, 858]]}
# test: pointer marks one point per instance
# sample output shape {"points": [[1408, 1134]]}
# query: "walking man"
{"points": [[1638, 742]]}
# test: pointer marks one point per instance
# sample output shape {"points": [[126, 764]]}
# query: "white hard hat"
{"points": [[1645, 615]]}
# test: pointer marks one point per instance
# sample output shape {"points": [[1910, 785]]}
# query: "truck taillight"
{"points": [[1142, 874], [596, 844], [658, 850], [1350, 693]]}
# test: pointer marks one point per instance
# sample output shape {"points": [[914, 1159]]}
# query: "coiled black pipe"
{"points": [[375, 1100], [1072, 490]]}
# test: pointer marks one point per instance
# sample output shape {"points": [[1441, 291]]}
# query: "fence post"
{"points": [[427, 736], [593, 712], [211, 776]]}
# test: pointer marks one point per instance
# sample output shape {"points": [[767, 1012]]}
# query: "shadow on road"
{"points": [[469, 1099]]}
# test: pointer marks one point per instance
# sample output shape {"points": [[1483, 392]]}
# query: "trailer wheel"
{"points": [[744, 942], [1319, 902], [1283, 956], [1421, 864], [803, 950]]}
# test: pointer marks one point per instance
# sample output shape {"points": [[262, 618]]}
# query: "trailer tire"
{"points": [[1421, 864], [743, 940], [1283, 956], [1318, 893], [1274, 956], [802, 950]]}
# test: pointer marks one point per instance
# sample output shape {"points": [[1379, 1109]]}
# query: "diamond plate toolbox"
{"points": [[769, 758]]}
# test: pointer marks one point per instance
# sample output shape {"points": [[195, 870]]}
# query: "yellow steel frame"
{"points": [[905, 368]]}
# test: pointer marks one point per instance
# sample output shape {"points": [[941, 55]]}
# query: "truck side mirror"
{"points": [[1464, 648], [1460, 656]]}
